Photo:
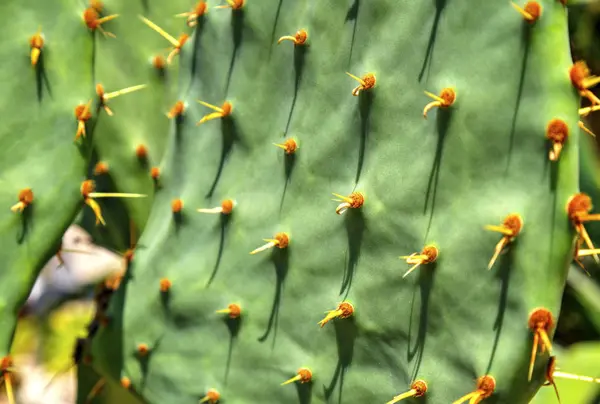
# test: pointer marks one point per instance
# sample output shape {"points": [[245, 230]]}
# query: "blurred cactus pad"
{"points": [[445, 131]]}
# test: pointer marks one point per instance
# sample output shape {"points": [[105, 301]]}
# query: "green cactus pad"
{"points": [[438, 181], [37, 140]]}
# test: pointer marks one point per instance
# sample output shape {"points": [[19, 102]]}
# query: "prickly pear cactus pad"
{"points": [[45, 81], [229, 302]]}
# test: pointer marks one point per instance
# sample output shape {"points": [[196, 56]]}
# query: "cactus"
{"points": [[455, 148], [205, 316], [50, 115], [42, 168]]}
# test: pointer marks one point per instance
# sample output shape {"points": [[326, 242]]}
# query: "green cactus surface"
{"points": [[437, 181], [38, 151], [446, 132]]}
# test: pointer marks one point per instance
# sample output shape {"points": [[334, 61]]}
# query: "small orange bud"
{"points": [[344, 310], [557, 132], [158, 62], [367, 82], [125, 382], [25, 199], [298, 39], [94, 22], [541, 323], [578, 73], [355, 200], [87, 187], [227, 206], [141, 152], [510, 228], [143, 349], [582, 80], [220, 112], [304, 375], [82, 114], [289, 146], [176, 110], [281, 240], [428, 255], [234, 310], [155, 173], [100, 168], [417, 389], [165, 285], [177, 205], [200, 8], [212, 397], [36, 42], [531, 12], [444, 100]]}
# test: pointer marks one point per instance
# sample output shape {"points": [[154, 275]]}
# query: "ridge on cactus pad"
{"points": [[132, 141], [481, 155]]}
